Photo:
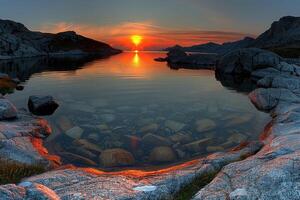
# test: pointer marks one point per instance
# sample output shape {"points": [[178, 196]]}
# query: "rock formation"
{"points": [[272, 173], [16, 41], [282, 37]]}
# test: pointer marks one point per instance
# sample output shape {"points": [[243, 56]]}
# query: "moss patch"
{"points": [[12, 172], [190, 190]]}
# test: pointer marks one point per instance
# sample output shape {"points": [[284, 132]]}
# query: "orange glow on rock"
{"points": [[140, 173], [37, 143]]}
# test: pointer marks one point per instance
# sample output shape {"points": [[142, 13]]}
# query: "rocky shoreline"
{"points": [[257, 170]]}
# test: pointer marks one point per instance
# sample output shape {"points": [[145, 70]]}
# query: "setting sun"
{"points": [[136, 39]]}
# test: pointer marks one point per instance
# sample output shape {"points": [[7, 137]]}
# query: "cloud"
{"points": [[154, 37]]}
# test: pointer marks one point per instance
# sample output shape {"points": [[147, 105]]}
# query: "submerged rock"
{"points": [[211, 149], [42, 105], [181, 138], [153, 140], [108, 117], [88, 145], [116, 158], [149, 128], [197, 146], [174, 126], [77, 159], [64, 123], [162, 154], [75, 132], [7, 110], [205, 125], [238, 120]]}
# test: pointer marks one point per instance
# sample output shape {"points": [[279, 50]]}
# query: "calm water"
{"points": [[129, 111]]}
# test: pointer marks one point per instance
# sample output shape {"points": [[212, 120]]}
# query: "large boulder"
{"points": [[7, 110], [42, 105], [244, 61], [267, 99]]}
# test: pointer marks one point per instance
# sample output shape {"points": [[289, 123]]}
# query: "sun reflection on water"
{"points": [[136, 59]]}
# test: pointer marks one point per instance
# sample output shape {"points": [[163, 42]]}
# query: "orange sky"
{"points": [[154, 37]]}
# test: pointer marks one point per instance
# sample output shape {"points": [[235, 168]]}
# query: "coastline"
{"points": [[279, 142]]}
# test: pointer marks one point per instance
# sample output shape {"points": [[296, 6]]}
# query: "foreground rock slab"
{"points": [[76, 183]]}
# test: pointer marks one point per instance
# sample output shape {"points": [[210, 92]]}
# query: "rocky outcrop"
{"points": [[7, 110], [245, 61], [283, 37], [177, 58], [21, 146], [16, 41], [272, 173], [21, 140]]}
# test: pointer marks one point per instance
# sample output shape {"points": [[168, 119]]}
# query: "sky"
{"points": [[161, 23]]}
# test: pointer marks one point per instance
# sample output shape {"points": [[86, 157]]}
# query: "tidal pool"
{"points": [[128, 111]]}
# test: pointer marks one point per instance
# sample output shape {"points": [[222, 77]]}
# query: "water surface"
{"points": [[130, 111]]}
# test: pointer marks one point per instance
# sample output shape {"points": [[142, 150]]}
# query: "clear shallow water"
{"points": [[129, 111]]}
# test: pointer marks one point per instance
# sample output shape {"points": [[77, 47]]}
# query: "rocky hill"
{"points": [[283, 37], [217, 48], [17, 41]]}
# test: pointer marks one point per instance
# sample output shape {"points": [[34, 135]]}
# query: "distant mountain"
{"points": [[283, 37], [217, 48], [17, 41]]}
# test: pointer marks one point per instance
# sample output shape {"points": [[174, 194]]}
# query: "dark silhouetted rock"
{"points": [[42, 105], [283, 37], [175, 55], [16, 41], [215, 48], [160, 59]]}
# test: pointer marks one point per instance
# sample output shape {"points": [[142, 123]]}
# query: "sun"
{"points": [[136, 39]]}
